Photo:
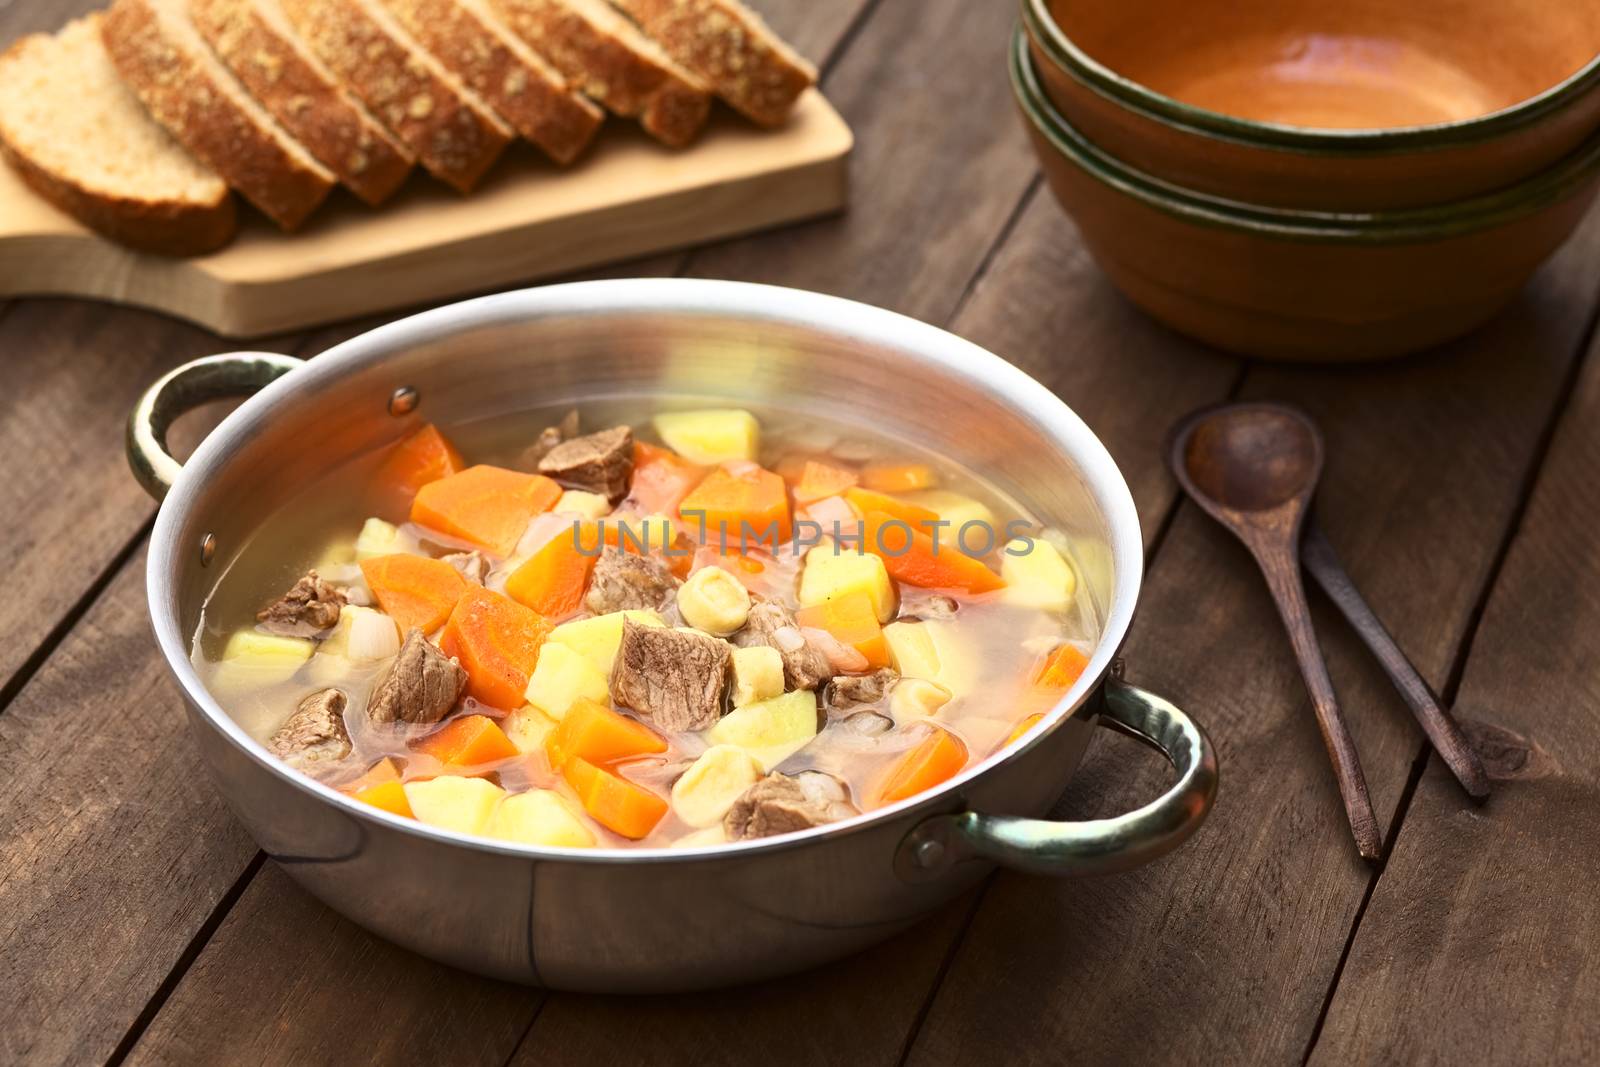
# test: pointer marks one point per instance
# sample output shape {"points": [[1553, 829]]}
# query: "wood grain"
{"points": [[1482, 940], [1232, 943], [114, 848]]}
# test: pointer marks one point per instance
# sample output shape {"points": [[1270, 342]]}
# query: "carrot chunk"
{"points": [[388, 796], [747, 507], [469, 741], [898, 477], [497, 641], [1023, 727], [415, 591], [385, 770], [425, 456], [937, 758], [866, 501], [853, 621], [818, 480], [614, 802], [910, 556], [1061, 668], [489, 506], [594, 732], [661, 479], [553, 580]]}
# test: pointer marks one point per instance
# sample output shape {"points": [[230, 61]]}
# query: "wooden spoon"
{"points": [[1254, 468]]}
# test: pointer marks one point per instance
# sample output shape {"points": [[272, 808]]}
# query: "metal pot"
{"points": [[644, 920]]}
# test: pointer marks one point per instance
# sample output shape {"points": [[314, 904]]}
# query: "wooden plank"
{"points": [[1482, 940], [1232, 943], [259, 994], [1097, 352], [76, 371], [114, 848]]}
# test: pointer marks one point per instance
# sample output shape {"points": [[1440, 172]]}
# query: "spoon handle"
{"points": [[1282, 571], [1444, 733]]}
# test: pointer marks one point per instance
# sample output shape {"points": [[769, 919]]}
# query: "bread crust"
{"points": [[453, 133], [730, 47], [525, 90], [172, 227], [614, 63], [305, 98], [180, 93]]}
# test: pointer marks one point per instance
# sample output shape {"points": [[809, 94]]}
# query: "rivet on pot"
{"points": [[929, 854], [403, 401], [208, 548]]}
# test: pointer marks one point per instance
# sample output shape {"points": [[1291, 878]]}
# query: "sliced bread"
{"points": [[454, 134], [730, 47], [526, 91], [257, 43], [82, 140], [609, 58], [184, 86]]}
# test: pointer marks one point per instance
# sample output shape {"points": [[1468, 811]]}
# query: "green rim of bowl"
{"points": [[1405, 225], [1157, 107]]}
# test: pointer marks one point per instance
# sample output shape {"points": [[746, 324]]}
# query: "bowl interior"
{"points": [[1339, 64]]}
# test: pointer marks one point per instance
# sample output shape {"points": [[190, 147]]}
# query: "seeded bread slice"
{"points": [[257, 43], [527, 92], [80, 139], [168, 65], [730, 47], [454, 134], [609, 58]]}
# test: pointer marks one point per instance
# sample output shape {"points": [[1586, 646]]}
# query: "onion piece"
{"points": [[373, 635], [840, 655]]}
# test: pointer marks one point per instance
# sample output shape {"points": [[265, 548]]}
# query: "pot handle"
{"points": [[1095, 846], [183, 389]]}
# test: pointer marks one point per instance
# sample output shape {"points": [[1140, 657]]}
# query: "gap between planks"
{"points": [[1582, 356]]}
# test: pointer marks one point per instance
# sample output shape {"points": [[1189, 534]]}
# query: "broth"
{"points": [[990, 652]]}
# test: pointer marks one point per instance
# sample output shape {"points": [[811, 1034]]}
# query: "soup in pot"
{"points": [[657, 628]]}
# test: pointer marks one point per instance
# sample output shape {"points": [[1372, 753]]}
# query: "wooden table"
{"points": [[139, 923]]}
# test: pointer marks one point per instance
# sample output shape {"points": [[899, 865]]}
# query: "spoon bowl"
{"points": [[1252, 457]]}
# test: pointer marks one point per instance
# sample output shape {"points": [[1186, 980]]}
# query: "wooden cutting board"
{"points": [[628, 197]]}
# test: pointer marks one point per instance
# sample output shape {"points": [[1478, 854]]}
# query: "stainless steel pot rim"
{"points": [[626, 297]]}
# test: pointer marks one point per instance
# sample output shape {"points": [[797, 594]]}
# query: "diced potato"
{"points": [[1041, 578], [653, 533], [705, 792], [561, 676], [597, 638], [933, 652], [714, 601], [957, 509], [916, 698], [527, 728], [834, 571], [377, 538], [711, 436], [252, 659], [757, 674], [454, 803], [337, 555], [538, 817], [770, 730], [711, 835], [578, 502]]}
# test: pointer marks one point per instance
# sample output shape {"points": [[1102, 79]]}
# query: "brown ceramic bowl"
{"points": [[1331, 105], [1303, 285]]}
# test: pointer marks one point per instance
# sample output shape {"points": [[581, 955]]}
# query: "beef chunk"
{"points": [[472, 565], [315, 733], [868, 724], [770, 623], [849, 691], [673, 678], [623, 581], [548, 438], [307, 609], [779, 804], [597, 462], [421, 687]]}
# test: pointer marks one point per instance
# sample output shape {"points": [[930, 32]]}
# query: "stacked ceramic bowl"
{"points": [[1316, 179]]}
